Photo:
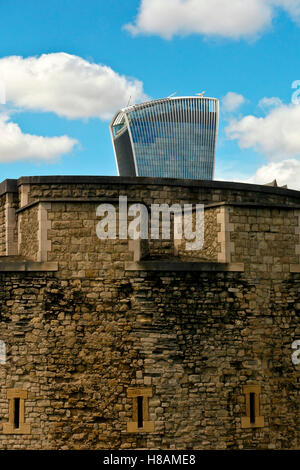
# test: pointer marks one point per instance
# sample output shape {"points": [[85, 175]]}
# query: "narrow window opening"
{"points": [[253, 419], [16, 413], [140, 411], [252, 408]]}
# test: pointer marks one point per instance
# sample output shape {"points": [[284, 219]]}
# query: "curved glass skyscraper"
{"points": [[167, 138]]}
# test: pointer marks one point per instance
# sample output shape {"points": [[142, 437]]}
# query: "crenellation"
{"points": [[90, 325]]}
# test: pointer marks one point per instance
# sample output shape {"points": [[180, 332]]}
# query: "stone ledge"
{"points": [[144, 180], [9, 428], [182, 266], [8, 186], [28, 266], [266, 205]]}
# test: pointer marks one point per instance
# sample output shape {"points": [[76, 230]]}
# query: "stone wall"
{"points": [[14, 206], [9, 203], [2, 225], [75, 245], [206, 339], [265, 239], [77, 345], [153, 190], [211, 246], [28, 230], [85, 338]]}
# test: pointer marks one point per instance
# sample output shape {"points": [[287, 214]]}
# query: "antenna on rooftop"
{"points": [[128, 101], [200, 94], [172, 94]]}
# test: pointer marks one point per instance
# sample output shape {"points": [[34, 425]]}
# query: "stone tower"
{"points": [[122, 344]]}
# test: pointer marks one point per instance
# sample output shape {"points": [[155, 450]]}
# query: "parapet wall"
{"points": [[90, 325], [49, 218]]}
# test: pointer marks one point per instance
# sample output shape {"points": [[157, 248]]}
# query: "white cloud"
{"points": [[267, 103], [232, 101], [227, 18], [67, 85], [2, 92], [285, 172], [15, 145], [292, 7], [276, 135]]}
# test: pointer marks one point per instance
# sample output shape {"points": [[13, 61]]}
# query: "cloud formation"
{"points": [[67, 85], [267, 103], [285, 172], [232, 19], [292, 7], [232, 101], [2, 92], [15, 145], [276, 135]]}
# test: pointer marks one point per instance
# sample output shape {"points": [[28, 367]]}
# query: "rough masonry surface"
{"points": [[84, 322]]}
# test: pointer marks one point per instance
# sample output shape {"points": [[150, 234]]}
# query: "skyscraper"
{"points": [[168, 138]]}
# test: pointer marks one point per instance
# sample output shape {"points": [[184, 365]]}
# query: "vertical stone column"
{"points": [[24, 193], [44, 226], [10, 226], [297, 232], [227, 247], [24, 198]]}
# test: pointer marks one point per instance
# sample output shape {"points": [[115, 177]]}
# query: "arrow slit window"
{"points": [[16, 413], [253, 419], [140, 410]]}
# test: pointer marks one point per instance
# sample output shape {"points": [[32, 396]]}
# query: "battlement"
{"points": [[52, 218], [121, 344]]}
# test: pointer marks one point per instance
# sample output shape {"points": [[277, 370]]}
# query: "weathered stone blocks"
{"points": [[86, 325]]}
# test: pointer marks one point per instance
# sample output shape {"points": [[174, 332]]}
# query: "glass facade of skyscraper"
{"points": [[168, 138]]}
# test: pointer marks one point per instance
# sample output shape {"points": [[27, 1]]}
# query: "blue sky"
{"points": [[66, 66]]}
